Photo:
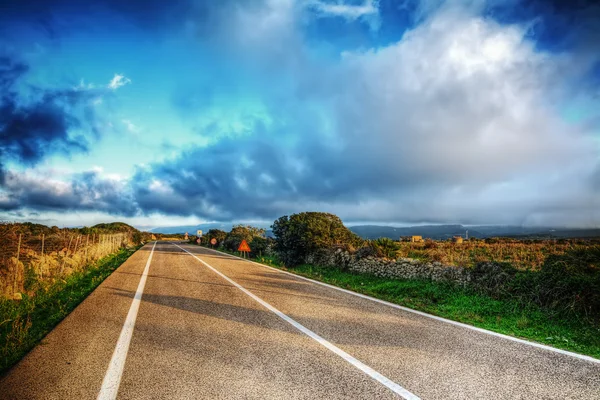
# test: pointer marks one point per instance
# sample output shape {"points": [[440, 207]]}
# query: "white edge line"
{"points": [[347, 357], [112, 379], [424, 314]]}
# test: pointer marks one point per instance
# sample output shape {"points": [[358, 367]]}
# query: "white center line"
{"points": [[112, 379], [363, 367]]}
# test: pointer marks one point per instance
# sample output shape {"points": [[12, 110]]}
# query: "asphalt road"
{"points": [[216, 327]]}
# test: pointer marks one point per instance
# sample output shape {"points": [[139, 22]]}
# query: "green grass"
{"points": [[24, 323]]}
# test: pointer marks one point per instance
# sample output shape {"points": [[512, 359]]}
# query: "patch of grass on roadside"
{"points": [[24, 323]]}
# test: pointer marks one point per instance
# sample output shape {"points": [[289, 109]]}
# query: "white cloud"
{"points": [[117, 81], [131, 127], [341, 9]]}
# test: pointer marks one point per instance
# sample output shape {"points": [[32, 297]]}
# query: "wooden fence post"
{"points": [[19, 247], [65, 256], [16, 280], [76, 244]]}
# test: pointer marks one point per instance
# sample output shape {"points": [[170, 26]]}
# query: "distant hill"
{"points": [[113, 227], [437, 232], [28, 228], [191, 229], [442, 232]]}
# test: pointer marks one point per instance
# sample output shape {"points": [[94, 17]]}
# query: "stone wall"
{"points": [[406, 268], [403, 268]]}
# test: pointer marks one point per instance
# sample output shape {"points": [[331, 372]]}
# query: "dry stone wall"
{"points": [[402, 268]]}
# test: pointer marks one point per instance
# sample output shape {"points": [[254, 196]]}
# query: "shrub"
{"points": [[385, 247], [571, 282], [258, 245], [300, 234], [367, 251], [492, 277], [430, 244], [240, 232], [217, 234]]}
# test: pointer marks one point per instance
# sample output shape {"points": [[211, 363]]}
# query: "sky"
{"points": [[380, 111]]}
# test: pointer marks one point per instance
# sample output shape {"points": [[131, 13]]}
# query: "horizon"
{"points": [[438, 112], [267, 225]]}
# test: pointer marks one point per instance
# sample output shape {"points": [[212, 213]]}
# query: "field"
{"points": [[34, 255], [521, 254]]}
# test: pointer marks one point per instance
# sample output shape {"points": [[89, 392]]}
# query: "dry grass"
{"points": [[521, 254], [29, 259]]}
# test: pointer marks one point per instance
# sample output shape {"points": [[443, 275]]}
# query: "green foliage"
{"points": [[240, 232], [382, 247], [261, 246], [217, 234], [568, 284], [300, 234], [113, 227], [385, 247]]}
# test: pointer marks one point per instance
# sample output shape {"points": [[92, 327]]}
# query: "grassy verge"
{"points": [[514, 318], [23, 324]]}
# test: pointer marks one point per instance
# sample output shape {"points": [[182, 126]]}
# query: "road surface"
{"points": [[216, 327]]}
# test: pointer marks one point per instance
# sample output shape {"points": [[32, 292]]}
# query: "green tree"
{"points": [[217, 234], [301, 234], [239, 233]]}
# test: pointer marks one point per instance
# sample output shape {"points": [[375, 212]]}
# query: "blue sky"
{"points": [[474, 112]]}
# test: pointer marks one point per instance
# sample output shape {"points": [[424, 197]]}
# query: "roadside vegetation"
{"points": [[547, 291], [527, 254], [24, 323]]}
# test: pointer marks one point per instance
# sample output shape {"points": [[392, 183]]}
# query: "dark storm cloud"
{"points": [[40, 122], [86, 191], [57, 18], [558, 24]]}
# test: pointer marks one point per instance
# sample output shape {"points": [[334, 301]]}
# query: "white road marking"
{"points": [[364, 368], [423, 314], [112, 379]]}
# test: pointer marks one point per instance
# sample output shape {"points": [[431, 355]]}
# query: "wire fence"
{"points": [[45, 257]]}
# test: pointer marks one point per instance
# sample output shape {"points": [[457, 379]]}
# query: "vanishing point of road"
{"points": [[177, 321]]}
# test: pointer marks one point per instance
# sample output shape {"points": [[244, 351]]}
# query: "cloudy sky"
{"points": [[394, 111]]}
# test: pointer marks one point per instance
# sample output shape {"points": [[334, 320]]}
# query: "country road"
{"points": [[211, 326]]}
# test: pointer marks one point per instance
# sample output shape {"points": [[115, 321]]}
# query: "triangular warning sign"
{"points": [[244, 246]]}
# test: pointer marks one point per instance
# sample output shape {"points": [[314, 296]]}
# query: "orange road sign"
{"points": [[244, 246], [213, 241]]}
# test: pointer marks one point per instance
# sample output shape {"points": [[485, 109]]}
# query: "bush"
{"points": [[385, 247], [217, 234], [300, 234], [240, 232], [571, 282], [492, 277], [367, 251], [258, 246]]}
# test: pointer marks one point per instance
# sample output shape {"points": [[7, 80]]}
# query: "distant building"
{"points": [[416, 239], [457, 239]]}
